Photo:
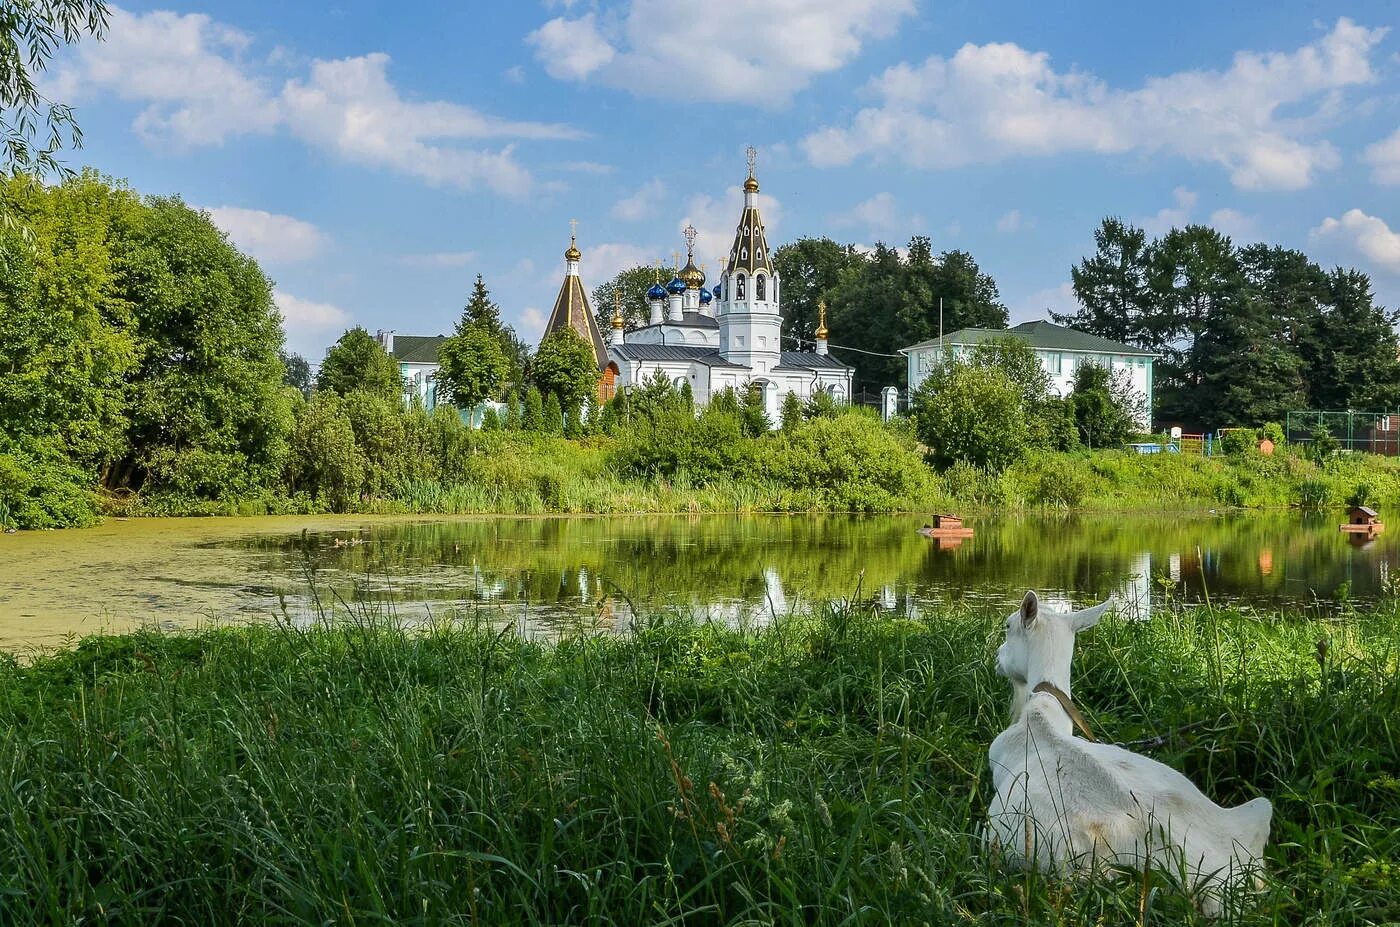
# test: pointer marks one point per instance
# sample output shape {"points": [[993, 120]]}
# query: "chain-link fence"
{"points": [[1372, 432]]}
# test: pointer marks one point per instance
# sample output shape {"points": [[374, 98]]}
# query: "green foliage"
{"points": [[1322, 444], [552, 421], [474, 366], [357, 362], [792, 413], [30, 33], [1242, 334], [755, 413], [326, 463], [250, 758], [632, 283], [847, 462], [490, 421], [972, 414], [533, 417], [565, 367], [821, 404], [297, 373], [1103, 406]]}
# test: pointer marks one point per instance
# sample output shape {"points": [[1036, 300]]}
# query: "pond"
{"points": [[546, 574]]}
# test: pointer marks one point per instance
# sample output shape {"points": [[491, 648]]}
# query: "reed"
{"points": [[823, 769]]}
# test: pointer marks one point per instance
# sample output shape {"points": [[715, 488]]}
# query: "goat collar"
{"points": [[1074, 713]]}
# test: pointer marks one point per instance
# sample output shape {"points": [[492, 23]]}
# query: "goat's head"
{"points": [[1039, 647]]}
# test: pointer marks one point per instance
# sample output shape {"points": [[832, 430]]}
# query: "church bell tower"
{"points": [[750, 324]]}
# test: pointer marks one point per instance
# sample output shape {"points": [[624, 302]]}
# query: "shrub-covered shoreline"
{"points": [[827, 769]]}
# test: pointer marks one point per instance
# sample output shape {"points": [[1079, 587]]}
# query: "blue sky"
{"points": [[375, 157]]}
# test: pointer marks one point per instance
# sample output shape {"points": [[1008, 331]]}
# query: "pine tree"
{"points": [[533, 419], [481, 310], [792, 412], [553, 420]]}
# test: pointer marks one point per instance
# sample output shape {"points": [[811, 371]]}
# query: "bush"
{"points": [[971, 414], [848, 462]]}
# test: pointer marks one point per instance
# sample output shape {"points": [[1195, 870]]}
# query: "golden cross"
{"points": [[690, 234], [676, 258], [656, 269], [573, 228], [752, 154]]}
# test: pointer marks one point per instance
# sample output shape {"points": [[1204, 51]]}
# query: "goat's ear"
{"points": [[1088, 617], [1030, 608]]}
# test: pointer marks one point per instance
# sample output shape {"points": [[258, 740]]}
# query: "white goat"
{"points": [[1071, 805]]}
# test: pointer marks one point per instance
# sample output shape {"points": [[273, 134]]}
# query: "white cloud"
{"points": [[643, 203], [268, 236], [531, 323], [571, 49], [1367, 235], [691, 51], [1010, 222], [439, 259], [602, 262], [1041, 303], [308, 324], [515, 75], [201, 88], [588, 167], [1234, 223], [992, 102], [879, 215], [1384, 158], [1171, 217]]}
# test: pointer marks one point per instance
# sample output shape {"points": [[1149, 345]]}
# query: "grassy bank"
{"points": [[824, 770], [532, 475]]}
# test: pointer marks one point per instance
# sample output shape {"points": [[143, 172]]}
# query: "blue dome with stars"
{"points": [[719, 287], [705, 296], [677, 285], [657, 291]]}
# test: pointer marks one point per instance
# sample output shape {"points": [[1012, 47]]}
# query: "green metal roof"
{"points": [[417, 349], [1046, 336]]}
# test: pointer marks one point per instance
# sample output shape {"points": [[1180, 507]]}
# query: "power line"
{"points": [[802, 341]]}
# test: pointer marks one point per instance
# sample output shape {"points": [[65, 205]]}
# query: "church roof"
{"points": [[417, 349], [571, 310], [809, 360], [750, 252], [710, 357], [1047, 336]]}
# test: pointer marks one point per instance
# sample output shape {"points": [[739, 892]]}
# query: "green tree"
{"points": [[296, 372], [209, 414], [755, 412], [474, 367], [564, 366], [1115, 300], [969, 413], [326, 462], [810, 269], [553, 418], [33, 128], [533, 417], [633, 284], [1102, 407], [791, 415], [357, 361], [1353, 363]]}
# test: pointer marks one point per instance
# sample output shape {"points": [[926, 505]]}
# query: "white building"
{"points": [[731, 338], [1061, 351], [417, 357]]}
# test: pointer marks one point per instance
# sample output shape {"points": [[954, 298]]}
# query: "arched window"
{"points": [[759, 289], [739, 287]]}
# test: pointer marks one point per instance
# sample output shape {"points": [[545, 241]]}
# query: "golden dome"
{"points": [[821, 320], [751, 185], [573, 254], [693, 276], [617, 322]]}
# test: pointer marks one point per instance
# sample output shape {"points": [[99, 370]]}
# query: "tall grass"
{"points": [[822, 770]]}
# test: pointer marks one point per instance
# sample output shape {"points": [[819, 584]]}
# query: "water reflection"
{"points": [[545, 571]]}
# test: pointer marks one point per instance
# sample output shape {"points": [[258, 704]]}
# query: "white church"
{"points": [[729, 338]]}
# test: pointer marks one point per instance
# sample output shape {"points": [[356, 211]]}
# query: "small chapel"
{"points": [[727, 337]]}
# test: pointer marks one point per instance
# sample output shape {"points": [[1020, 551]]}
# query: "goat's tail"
{"points": [[1251, 822]]}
